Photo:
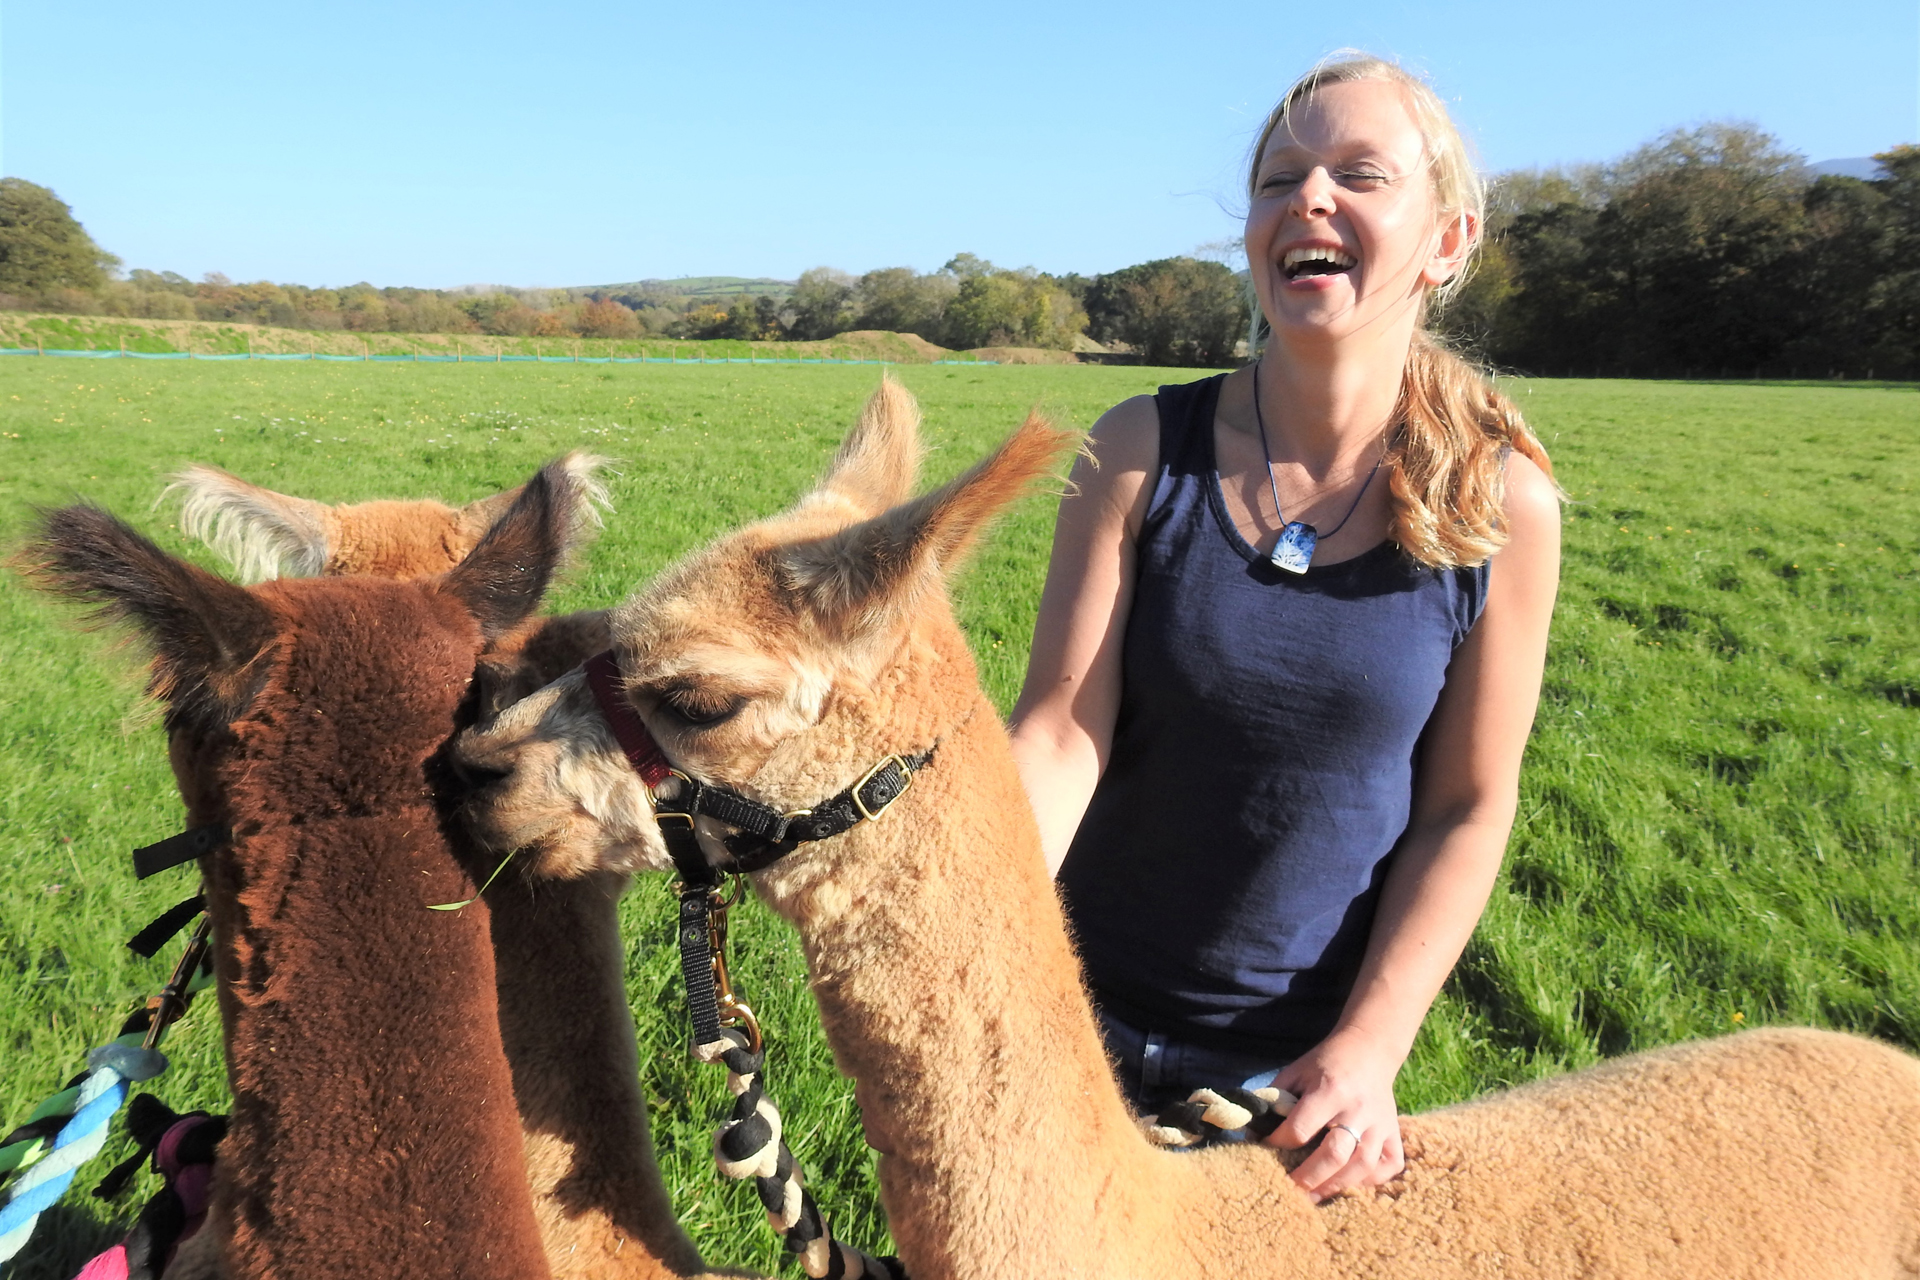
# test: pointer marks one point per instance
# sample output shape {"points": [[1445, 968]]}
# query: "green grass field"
{"points": [[1718, 825]]}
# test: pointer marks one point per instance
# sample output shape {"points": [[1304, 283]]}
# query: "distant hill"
{"points": [[703, 287], [698, 288], [1865, 168]]}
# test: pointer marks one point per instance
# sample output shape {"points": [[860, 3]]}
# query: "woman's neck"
{"points": [[1327, 403]]}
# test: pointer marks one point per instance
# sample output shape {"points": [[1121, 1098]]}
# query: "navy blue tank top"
{"points": [[1222, 884]]}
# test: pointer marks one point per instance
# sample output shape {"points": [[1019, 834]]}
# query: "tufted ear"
{"points": [[262, 534], [205, 632], [875, 465], [581, 467], [863, 577], [266, 534], [504, 577]]}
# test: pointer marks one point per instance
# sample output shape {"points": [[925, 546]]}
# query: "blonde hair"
{"points": [[1445, 468]]}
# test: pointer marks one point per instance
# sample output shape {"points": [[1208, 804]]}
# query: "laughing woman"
{"points": [[1291, 645]]}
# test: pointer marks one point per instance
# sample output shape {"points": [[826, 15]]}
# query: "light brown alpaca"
{"points": [[265, 534], [372, 1131], [564, 1022], [789, 658], [268, 535]]}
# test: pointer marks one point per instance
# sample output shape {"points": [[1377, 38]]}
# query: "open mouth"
{"points": [[1316, 260]]}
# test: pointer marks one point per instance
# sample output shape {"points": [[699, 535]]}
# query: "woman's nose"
{"points": [[1313, 198]]}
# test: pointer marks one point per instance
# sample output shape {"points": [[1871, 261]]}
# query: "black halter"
{"points": [[766, 835]]}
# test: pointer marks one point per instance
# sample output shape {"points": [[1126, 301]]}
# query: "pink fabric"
{"points": [[190, 1182], [111, 1265]]}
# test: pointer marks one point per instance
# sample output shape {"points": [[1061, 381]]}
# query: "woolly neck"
{"points": [[950, 992], [373, 1110]]}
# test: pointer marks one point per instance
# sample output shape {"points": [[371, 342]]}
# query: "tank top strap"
{"points": [[1186, 436]]}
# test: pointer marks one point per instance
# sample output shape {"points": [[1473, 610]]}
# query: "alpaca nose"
{"points": [[476, 774]]}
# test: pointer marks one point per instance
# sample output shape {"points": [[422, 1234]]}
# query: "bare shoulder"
{"points": [[1532, 500], [1127, 436], [1529, 565], [1121, 451]]}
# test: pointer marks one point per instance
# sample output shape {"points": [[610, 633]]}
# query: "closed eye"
{"points": [[699, 707]]}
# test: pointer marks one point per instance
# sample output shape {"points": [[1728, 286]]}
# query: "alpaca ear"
{"points": [[262, 534], [504, 577], [864, 576], [204, 631], [582, 468], [876, 464]]}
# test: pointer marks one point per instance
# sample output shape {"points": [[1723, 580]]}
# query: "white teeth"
{"points": [[1317, 253]]}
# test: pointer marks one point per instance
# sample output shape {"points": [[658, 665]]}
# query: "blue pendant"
{"points": [[1294, 551]]}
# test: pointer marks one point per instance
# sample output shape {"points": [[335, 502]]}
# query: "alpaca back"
{"points": [[1774, 1153]]}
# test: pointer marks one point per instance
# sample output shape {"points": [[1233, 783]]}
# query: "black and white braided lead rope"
{"points": [[1209, 1114], [748, 1145]]}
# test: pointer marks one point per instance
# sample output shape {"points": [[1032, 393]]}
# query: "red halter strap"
{"points": [[643, 753]]}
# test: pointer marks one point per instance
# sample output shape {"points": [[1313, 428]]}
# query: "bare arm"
{"points": [[1444, 870], [1063, 724]]}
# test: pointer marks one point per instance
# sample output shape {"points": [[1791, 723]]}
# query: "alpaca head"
{"points": [[264, 534], [770, 662], [361, 677]]}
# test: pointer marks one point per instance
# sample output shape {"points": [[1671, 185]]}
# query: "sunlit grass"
{"points": [[1717, 828]]}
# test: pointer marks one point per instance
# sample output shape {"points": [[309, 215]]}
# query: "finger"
{"points": [[1363, 1170], [1304, 1121], [1336, 1149]]}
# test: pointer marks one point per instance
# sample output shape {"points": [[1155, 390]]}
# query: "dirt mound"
{"points": [[894, 346], [1024, 355]]}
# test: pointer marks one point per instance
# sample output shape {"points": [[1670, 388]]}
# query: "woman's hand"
{"points": [[1346, 1080]]}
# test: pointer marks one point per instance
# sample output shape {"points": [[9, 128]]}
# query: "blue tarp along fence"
{"points": [[461, 358]]}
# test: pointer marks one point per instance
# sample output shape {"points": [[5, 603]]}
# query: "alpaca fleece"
{"points": [[352, 1088], [565, 1027], [950, 992]]}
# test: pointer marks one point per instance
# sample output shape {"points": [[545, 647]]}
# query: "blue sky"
{"points": [[439, 144]]}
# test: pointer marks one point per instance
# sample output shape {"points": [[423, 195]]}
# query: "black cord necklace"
{"points": [[1294, 551]]}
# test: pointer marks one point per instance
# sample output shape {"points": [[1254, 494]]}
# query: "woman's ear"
{"points": [[1456, 241]]}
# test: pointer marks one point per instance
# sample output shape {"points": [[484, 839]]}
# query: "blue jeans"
{"points": [[1154, 1069]]}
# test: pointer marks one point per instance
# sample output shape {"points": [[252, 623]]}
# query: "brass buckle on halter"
{"points": [[906, 785], [734, 1012]]}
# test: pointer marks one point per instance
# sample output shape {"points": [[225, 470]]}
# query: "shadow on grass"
{"points": [[66, 1238]]}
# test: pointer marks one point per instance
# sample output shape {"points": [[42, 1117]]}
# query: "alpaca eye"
{"points": [[699, 707]]}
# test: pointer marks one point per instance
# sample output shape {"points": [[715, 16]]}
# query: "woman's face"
{"points": [[1344, 236]]}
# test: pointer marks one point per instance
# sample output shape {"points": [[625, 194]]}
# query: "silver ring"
{"points": [[1351, 1132]]}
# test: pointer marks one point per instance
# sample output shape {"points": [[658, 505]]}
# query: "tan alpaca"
{"points": [[788, 658], [601, 1206], [268, 535]]}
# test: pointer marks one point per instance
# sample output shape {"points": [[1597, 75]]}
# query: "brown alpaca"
{"points": [[564, 1022], [786, 660], [372, 1130]]}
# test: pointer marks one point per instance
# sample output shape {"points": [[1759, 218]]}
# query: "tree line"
{"points": [[1708, 252], [1174, 311]]}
